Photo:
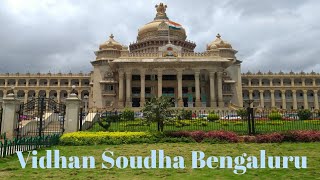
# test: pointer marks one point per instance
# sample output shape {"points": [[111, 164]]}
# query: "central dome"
{"points": [[159, 32], [160, 27]]}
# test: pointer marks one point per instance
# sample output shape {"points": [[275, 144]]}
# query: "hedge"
{"points": [[114, 138], [92, 138]]}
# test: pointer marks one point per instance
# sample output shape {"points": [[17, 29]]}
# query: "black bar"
{"points": [[81, 119], [249, 122], [41, 115]]}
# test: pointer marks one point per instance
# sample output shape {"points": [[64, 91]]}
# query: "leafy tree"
{"points": [[158, 110], [183, 114], [127, 115], [304, 114], [242, 113]]}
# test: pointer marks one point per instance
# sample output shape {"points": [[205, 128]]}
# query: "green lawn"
{"points": [[10, 167], [240, 127]]}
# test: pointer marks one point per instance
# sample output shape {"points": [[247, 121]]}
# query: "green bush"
{"points": [[183, 114], [275, 116], [93, 138], [127, 115], [213, 117], [304, 114], [242, 113]]}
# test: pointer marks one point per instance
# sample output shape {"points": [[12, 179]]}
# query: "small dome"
{"points": [[219, 43], [110, 44]]}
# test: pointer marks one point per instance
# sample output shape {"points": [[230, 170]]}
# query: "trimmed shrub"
{"points": [[275, 116], [222, 136], [201, 136], [213, 117], [93, 138], [198, 136], [270, 138], [302, 136], [304, 114], [127, 115]]}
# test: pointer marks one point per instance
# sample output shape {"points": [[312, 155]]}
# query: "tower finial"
{"points": [[218, 36], [111, 36], [161, 11]]}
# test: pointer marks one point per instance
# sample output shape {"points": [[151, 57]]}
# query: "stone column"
{"points": [[260, 82], [80, 84], [9, 115], [197, 87], [48, 82], [294, 98], [179, 78], [69, 82], [143, 87], [213, 102], [58, 96], [47, 93], [6, 82], [121, 76], [261, 99], [281, 81], [71, 123], [273, 104], [283, 97], [303, 82], [25, 96], [316, 100], [159, 82], [270, 80], [313, 82], [305, 99], [220, 97], [17, 82], [292, 82], [250, 97], [128, 89], [27, 82], [59, 82], [249, 82]]}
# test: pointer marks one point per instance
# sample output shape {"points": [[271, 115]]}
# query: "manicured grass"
{"points": [[241, 127], [10, 167]]}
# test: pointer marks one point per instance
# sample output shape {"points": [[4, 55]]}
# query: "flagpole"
{"points": [[169, 34]]}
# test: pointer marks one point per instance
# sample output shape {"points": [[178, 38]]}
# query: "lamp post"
{"points": [[250, 114]]}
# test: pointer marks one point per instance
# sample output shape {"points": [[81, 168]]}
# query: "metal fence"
{"points": [[264, 121], [1, 110], [9, 147]]}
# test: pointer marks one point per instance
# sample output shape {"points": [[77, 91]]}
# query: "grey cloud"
{"points": [[62, 36]]}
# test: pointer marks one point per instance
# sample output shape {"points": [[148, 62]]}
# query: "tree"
{"points": [[242, 113], [158, 110]]}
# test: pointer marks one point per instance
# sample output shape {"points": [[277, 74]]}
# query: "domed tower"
{"points": [[159, 32], [110, 49], [223, 48]]}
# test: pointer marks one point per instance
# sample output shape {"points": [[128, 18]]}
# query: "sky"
{"points": [[61, 36]]}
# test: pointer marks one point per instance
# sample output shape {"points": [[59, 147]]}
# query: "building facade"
{"points": [[162, 62]]}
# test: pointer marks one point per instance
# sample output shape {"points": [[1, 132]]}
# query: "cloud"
{"points": [[42, 36]]}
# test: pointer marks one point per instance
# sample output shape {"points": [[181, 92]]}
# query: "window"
{"points": [[135, 77], [109, 88], [148, 90], [184, 90]]}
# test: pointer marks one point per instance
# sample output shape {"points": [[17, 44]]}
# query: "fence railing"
{"points": [[9, 147], [264, 121]]}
